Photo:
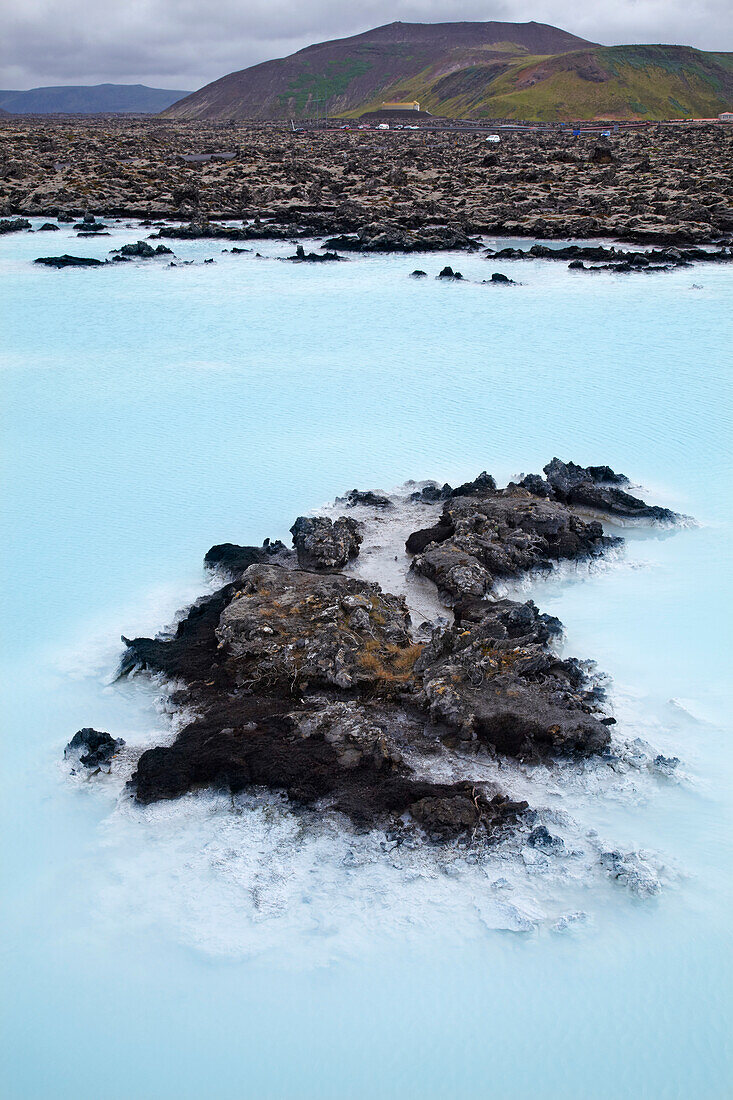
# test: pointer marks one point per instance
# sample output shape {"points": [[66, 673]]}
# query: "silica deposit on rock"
{"points": [[302, 677]]}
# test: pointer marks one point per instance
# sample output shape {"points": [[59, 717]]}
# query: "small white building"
{"points": [[727, 116]]}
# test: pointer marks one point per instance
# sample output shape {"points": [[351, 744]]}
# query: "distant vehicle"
{"points": [[365, 126], [494, 138], [383, 126], [412, 127], [605, 133]]}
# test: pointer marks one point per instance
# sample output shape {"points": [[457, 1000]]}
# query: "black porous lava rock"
{"points": [[596, 487], [476, 487], [367, 498], [420, 540], [499, 533], [13, 225], [303, 257], [536, 485], [93, 748], [542, 838], [68, 261], [336, 757], [190, 653], [496, 681], [389, 237], [309, 681], [431, 493], [142, 250], [322, 543], [232, 560]]}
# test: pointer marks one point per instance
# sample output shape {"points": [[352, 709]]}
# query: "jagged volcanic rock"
{"points": [[93, 748], [298, 629], [586, 487], [142, 250], [501, 533], [309, 681], [68, 261], [14, 225], [322, 543], [232, 560], [367, 498], [495, 680]]}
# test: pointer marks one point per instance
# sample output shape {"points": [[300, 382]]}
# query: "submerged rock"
{"points": [[542, 838], [632, 871]]}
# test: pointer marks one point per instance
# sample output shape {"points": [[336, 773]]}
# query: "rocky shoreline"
{"points": [[301, 676], [409, 191]]}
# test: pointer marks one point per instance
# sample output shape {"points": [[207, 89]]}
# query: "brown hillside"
{"points": [[350, 72]]}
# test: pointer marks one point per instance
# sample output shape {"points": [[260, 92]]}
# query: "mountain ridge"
{"points": [[472, 70], [81, 99]]}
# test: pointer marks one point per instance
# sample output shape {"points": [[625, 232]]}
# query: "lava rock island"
{"points": [[305, 679]]}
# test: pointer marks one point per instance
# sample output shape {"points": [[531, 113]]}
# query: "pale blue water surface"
{"points": [[205, 948]]}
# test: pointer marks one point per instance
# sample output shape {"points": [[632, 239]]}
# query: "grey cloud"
{"points": [[184, 43]]}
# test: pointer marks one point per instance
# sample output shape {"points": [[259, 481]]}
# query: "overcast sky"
{"points": [[186, 43]]}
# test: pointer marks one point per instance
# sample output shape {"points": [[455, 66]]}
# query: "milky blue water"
{"points": [[230, 949]]}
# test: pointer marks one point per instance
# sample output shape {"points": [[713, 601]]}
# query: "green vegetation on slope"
{"points": [[630, 82], [475, 70], [332, 81], [625, 82]]}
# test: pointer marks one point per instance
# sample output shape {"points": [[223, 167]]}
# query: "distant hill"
{"points": [[353, 73], [90, 100], [473, 70]]}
